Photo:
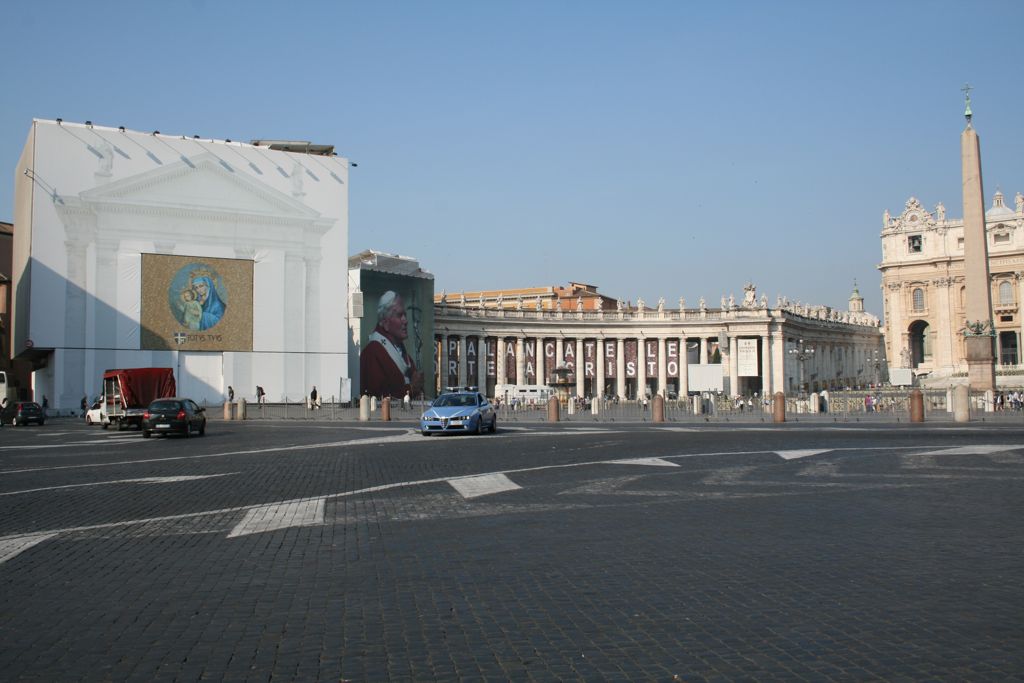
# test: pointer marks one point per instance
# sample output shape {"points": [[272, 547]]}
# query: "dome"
{"points": [[999, 210]]}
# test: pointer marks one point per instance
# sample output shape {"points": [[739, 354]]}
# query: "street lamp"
{"points": [[801, 354]]}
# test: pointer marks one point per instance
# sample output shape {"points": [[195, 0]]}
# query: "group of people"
{"points": [[1009, 401]]}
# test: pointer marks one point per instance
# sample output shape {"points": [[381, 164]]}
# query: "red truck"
{"points": [[127, 393]]}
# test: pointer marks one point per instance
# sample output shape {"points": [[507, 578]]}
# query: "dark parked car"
{"points": [[22, 412], [174, 416]]}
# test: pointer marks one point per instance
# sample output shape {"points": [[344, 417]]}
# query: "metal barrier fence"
{"points": [[888, 405]]}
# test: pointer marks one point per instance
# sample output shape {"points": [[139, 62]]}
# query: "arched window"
{"points": [[918, 299], [1005, 293], [963, 297]]}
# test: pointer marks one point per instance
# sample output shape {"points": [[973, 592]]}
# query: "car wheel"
{"points": [[188, 430], [88, 420], [105, 424], [425, 433], [202, 430], [494, 424], [480, 426], [42, 422], [120, 425], [145, 433], [14, 422]]}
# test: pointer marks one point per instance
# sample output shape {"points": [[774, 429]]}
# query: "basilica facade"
{"points": [[599, 346], [923, 290]]}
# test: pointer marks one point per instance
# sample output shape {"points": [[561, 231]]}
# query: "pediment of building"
{"points": [[914, 217], [201, 183]]}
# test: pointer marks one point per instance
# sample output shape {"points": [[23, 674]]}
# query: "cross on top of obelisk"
{"points": [[967, 100]]}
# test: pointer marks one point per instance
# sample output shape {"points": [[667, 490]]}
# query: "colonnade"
{"points": [[615, 365]]}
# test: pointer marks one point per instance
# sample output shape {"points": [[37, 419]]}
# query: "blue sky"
{"points": [[650, 148]]}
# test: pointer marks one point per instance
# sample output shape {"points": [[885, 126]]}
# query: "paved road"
{"points": [[340, 551]]}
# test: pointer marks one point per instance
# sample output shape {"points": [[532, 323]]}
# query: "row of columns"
{"points": [[772, 361]]}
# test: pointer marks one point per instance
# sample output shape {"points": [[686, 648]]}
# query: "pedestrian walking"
{"points": [[313, 398], [406, 401], [231, 394]]}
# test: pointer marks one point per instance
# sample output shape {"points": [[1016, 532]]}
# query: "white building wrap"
{"points": [[98, 199]]}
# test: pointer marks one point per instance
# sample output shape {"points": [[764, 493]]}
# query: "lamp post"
{"points": [[801, 353], [877, 363]]}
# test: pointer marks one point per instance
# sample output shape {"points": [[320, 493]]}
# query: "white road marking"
{"points": [[375, 489], [94, 442], [280, 516], [142, 480], [678, 429], [407, 435], [653, 462], [15, 545], [804, 453], [483, 485], [974, 450]]}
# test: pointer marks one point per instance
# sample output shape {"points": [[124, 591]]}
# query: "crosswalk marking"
{"points": [[13, 546], [483, 485], [280, 516]]}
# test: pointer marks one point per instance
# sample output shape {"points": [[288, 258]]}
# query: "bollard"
{"points": [[595, 406], [240, 415], [552, 409], [962, 403], [373, 404], [364, 408], [658, 411], [385, 409], [227, 410], [916, 406], [779, 407]]}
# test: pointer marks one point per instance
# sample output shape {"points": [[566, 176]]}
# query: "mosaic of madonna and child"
{"points": [[197, 297]]}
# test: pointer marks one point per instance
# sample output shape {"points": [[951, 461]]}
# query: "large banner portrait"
{"points": [[196, 304], [397, 329]]}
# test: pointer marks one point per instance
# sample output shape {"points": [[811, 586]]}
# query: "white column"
{"points": [[520, 361], [481, 363], [766, 366], [641, 367], [703, 350], [779, 362], [684, 370], [599, 358], [579, 366], [502, 379], [538, 349], [662, 368], [463, 381], [620, 367], [734, 370], [1020, 308], [559, 357]]}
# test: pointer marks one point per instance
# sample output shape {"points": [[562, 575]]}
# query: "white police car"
{"points": [[459, 411]]}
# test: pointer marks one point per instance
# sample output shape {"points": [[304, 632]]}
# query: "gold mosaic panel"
{"points": [[193, 303]]}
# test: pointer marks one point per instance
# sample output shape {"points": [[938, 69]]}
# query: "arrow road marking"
{"points": [[805, 453], [280, 516], [483, 485], [15, 545]]}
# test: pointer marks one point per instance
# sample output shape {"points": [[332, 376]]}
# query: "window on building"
{"points": [[918, 299], [1005, 293], [1003, 238], [963, 297], [914, 244], [960, 243]]}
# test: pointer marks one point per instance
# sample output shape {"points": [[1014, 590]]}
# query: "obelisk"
{"points": [[979, 332]]}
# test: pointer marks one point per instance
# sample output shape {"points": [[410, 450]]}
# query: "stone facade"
{"points": [[606, 347], [923, 290]]}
